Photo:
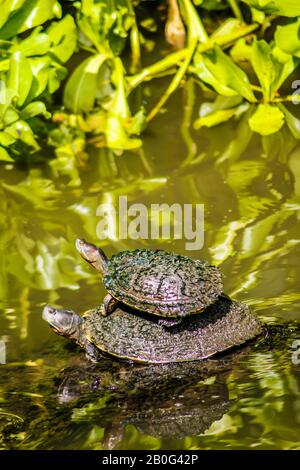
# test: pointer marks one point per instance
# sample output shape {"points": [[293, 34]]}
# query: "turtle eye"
{"points": [[52, 311]]}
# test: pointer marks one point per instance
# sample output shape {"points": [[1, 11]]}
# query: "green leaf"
{"points": [[21, 130], [10, 116], [138, 122], [266, 120], [8, 7], [34, 109], [35, 44], [292, 122], [270, 71], [276, 7], [55, 76], [263, 66], [288, 64], [63, 35], [287, 38], [20, 76], [7, 96], [88, 30], [241, 51], [217, 117], [81, 88], [258, 16], [119, 104], [218, 70], [40, 71], [6, 139], [4, 155], [116, 136], [31, 14], [228, 26]]}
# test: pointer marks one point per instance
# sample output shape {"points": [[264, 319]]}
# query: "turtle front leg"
{"points": [[110, 304], [91, 352]]}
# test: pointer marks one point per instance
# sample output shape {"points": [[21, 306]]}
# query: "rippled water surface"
{"points": [[50, 397]]}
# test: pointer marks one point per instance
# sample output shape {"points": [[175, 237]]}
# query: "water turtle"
{"points": [[141, 338], [155, 281]]}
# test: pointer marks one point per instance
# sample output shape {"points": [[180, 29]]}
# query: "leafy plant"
{"points": [[40, 43]]}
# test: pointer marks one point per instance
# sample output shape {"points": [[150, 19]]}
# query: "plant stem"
{"points": [[290, 98], [236, 9], [135, 49], [196, 30], [256, 88], [186, 124], [176, 58], [147, 73], [134, 41], [174, 83]]}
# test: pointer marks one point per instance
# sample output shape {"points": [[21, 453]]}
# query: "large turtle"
{"points": [[126, 335], [155, 281]]}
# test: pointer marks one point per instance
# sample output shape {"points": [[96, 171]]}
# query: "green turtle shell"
{"points": [[162, 283], [125, 335]]}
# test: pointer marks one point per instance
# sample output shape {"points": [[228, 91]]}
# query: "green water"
{"points": [[50, 397]]}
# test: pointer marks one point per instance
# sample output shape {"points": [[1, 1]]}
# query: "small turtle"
{"points": [[155, 281], [141, 338]]}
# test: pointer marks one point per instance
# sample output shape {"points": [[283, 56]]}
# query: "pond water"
{"points": [[50, 397]]}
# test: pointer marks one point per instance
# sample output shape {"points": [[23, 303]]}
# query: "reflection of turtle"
{"points": [[155, 281], [141, 338], [166, 401]]}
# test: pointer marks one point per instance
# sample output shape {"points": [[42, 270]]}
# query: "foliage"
{"points": [[80, 48]]}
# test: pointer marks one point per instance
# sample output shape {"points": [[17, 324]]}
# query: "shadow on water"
{"points": [[250, 187]]}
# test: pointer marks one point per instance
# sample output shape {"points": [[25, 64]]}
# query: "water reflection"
{"points": [[250, 188]]}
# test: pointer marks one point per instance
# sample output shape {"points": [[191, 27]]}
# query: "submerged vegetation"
{"points": [[75, 73]]}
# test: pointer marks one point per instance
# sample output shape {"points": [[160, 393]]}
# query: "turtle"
{"points": [[141, 338], [166, 284]]}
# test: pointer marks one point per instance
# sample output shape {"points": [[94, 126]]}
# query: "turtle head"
{"points": [[69, 324], [64, 322], [92, 254]]}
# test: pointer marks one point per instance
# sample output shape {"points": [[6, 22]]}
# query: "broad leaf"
{"points": [[287, 38], [34, 109], [292, 122], [116, 136], [266, 119], [21, 130], [219, 116], [277, 7], [270, 71], [31, 14], [8, 8], [63, 36], [81, 89], [218, 70], [36, 44], [20, 76], [40, 67], [4, 155]]}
